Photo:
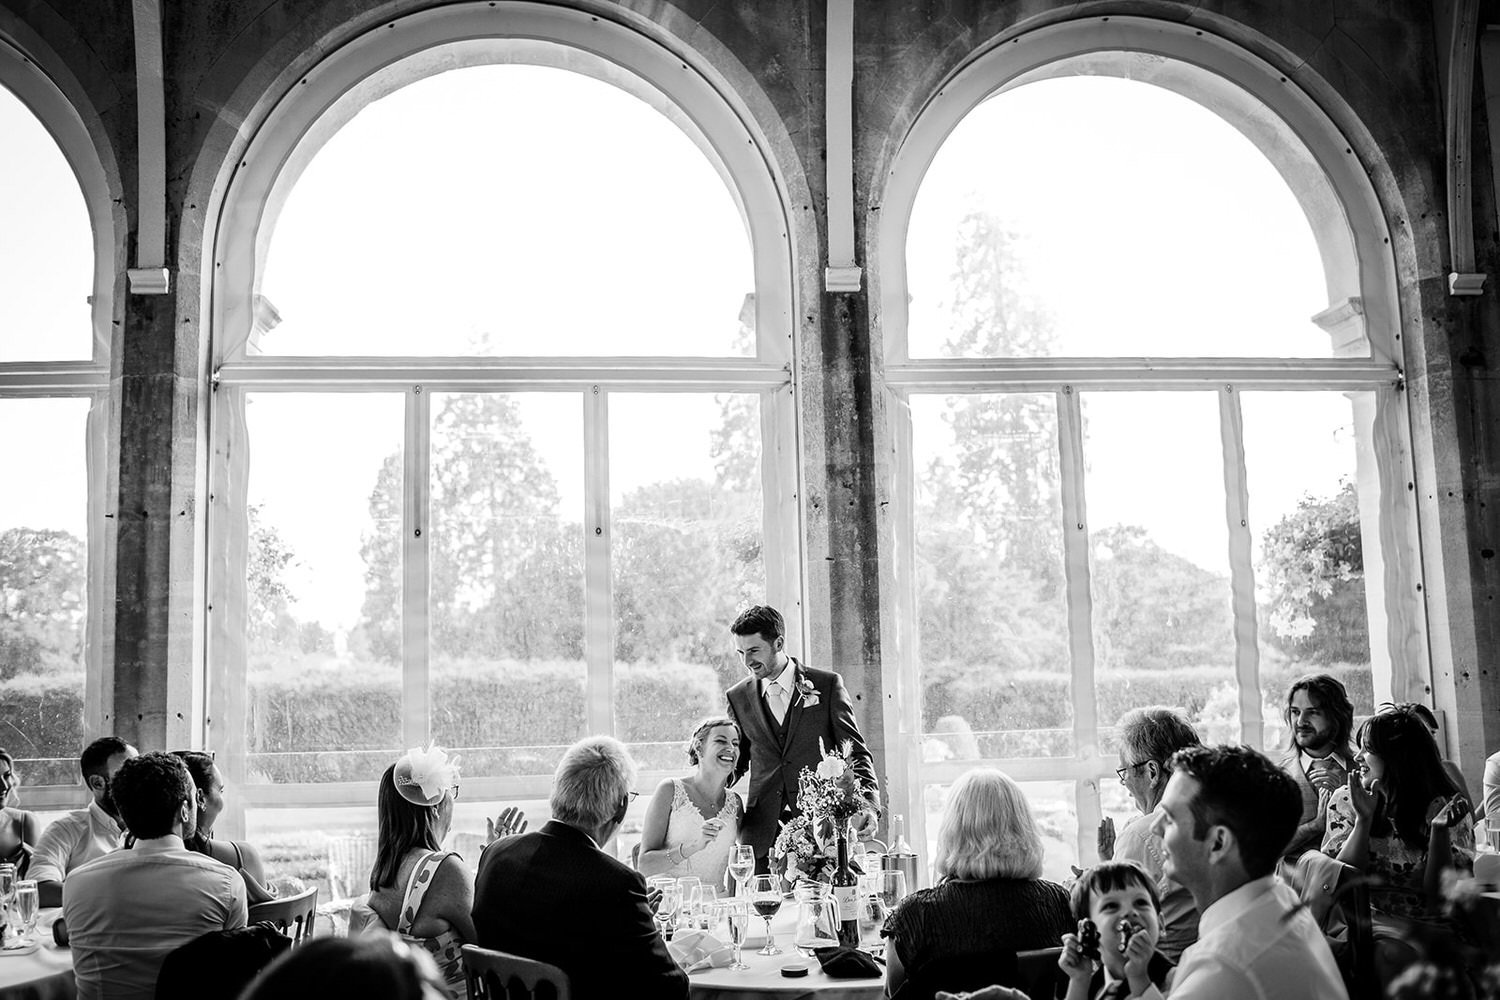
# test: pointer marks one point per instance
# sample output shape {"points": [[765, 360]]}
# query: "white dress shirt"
{"points": [[778, 691], [1249, 949], [73, 840]]}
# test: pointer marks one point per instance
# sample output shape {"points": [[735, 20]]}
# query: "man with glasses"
{"points": [[127, 910], [1148, 739], [85, 834], [555, 896]]}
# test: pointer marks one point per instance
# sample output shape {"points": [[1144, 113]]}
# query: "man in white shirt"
{"points": [[85, 834], [1224, 819], [127, 910], [1320, 721]]}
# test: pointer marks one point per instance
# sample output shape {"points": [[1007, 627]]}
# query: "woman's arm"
{"points": [[224, 852], [895, 972], [449, 904], [1440, 849]]}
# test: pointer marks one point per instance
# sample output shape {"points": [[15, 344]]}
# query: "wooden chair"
{"points": [[350, 859], [293, 916], [497, 975], [1037, 972]]}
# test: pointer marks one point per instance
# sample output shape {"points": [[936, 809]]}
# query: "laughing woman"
{"points": [[692, 822]]}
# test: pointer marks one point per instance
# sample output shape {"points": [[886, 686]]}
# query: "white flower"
{"points": [[831, 768]]}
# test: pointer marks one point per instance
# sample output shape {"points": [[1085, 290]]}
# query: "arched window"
{"points": [[502, 416], [55, 309], [1140, 361]]}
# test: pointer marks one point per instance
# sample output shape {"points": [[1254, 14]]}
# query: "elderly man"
{"points": [[1320, 718], [1148, 739], [1223, 821], [127, 910], [556, 897], [85, 834]]}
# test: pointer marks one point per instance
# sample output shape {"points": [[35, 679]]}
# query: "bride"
{"points": [[692, 822]]}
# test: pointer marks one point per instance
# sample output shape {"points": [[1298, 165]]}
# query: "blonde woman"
{"points": [[990, 900]]}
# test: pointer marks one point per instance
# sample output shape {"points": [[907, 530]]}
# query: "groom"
{"points": [[782, 709]]}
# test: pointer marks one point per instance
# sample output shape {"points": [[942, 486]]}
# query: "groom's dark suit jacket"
{"points": [[554, 897], [775, 754]]}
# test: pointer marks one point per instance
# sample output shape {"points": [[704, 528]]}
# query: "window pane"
{"points": [[1313, 610], [1163, 625], [1054, 809], [46, 246], [506, 588], [992, 634], [520, 249], [43, 585], [1158, 207], [324, 600], [685, 496]]}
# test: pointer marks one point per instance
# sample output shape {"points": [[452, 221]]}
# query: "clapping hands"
{"points": [[1366, 804]]}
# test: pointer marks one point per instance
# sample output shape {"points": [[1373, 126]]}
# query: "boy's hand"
{"points": [[1137, 959], [1073, 961]]}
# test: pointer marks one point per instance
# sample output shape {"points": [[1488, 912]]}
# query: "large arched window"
{"points": [[1148, 415], [55, 306], [503, 418]]}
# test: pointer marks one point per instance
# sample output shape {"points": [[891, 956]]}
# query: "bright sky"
{"points": [[553, 213]]}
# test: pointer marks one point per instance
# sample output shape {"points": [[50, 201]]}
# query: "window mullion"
{"points": [[598, 603], [228, 600], [1241, 567], [415, 591], [1076, 572]]}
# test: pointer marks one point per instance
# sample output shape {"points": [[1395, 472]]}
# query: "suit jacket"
{"points": [[1291, 763], [775, 759], [553, 896]]}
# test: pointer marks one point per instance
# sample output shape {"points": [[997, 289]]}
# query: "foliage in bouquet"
{"points": [[800, 854], [834, 790], [1449, 966]]}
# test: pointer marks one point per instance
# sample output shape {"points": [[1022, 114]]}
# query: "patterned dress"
{"points": [[445, 948]]}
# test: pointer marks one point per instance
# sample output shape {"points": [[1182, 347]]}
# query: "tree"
{"points": [[1153, 609], [42, 601], [269, 620], [1313, 580]]}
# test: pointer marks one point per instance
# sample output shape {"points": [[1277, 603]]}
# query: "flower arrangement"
{"points": [[829, 796], [800, 854]]}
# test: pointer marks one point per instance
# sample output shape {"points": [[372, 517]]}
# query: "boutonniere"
{"points": [[808, 692]]}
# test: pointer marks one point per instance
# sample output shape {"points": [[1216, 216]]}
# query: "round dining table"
{"points": [[764, 981], [43, 974]]}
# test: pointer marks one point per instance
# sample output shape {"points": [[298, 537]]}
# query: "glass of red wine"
{"points": [[765, 896]]}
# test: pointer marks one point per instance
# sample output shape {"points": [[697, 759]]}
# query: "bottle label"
{"points": [[848, 900]]}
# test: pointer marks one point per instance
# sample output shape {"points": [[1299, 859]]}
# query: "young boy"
{"points": [[1123, 903]]}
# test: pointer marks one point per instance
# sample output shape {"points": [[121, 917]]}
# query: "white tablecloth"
{"points": [[764, 980], [45, 974]]}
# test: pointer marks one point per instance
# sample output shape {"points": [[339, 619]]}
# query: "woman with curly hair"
{"points": [[692, 821], [990, 900]]}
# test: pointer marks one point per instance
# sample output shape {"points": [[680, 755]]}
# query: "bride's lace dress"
{"points": [[683, 825]]}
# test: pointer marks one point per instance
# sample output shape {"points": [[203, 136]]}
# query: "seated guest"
{"points": [[1456, 776], [380, 965], [1148, 739], [1120, 899], [86, 834], [692, 822], [1401, 821], [1320, 720], [417, 889], [19, 829], [555, 896], [1224, 820], [127, 910], [990, 900], [1492, 790], [243, 858]]}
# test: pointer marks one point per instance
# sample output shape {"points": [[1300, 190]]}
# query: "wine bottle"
{"points": [[846, 893]]}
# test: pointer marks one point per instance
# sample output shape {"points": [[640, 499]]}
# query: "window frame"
{"points": [[1310, 151], [360, 72]]}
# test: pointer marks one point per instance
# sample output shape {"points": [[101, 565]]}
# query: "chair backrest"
{"points": [[1037, 972], [218, 965], [497, 975], [293, 916], [350, 860], [959, 974]]}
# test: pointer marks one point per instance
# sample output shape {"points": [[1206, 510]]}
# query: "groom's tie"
{"points": [[776, 699]]}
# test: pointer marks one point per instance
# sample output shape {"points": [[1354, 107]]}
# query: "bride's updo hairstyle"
{"points": [[695, 741]]}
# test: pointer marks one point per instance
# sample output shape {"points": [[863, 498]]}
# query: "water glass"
{"points": [[735, 913], [27, 905], [666, 909], [741, 866], [892, 888], [704, 898], [7, 895]]}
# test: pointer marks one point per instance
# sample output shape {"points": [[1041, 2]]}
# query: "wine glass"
{"points": [[666, 909], [736, 913], [892, 888], [765, 896], [704, 898], [7, 894], [741, 865], [26, 907]]}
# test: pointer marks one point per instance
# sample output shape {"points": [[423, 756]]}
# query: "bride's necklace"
{"points": [[703, 804]]}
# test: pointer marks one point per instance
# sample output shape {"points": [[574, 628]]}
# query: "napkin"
{"points": [[694, 950], [847, 963]]}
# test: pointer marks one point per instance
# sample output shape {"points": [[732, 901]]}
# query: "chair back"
{"points": [[293, 916], [959, 974], [350, 861], [498, 975], [218, 965], [1037, 972]]}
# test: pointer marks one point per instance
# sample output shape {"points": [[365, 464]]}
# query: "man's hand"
{"points": [[1325, 779], [509, 823], [865, 823], [1106, 838], [653, 897]]}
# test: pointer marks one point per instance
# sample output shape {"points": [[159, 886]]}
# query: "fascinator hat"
{"points": [[424, 776]]}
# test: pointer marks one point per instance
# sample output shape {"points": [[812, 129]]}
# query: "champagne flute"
{"points": [[7, 894], [704, 898], [765, 896], [666, 909], [736, 913], [26, 907], [741, 865]]}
